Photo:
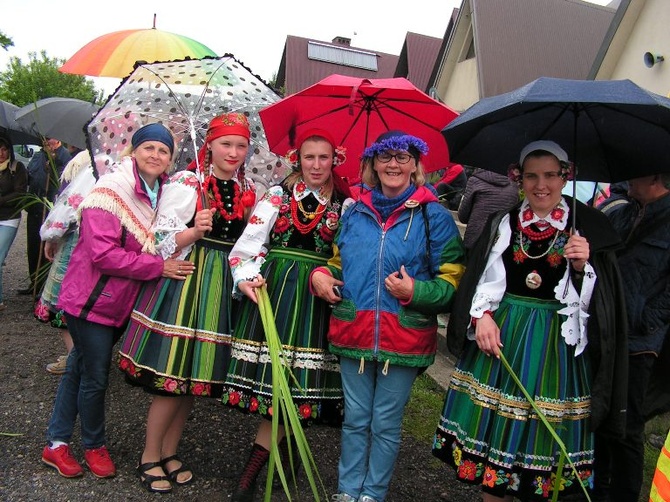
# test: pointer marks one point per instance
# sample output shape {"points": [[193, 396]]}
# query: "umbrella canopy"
{"points": [[62, 118], [184, 96], [612, 129], [115, 54], [357, 110], [11, 128]]}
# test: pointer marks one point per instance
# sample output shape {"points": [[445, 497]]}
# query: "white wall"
{"points": [[463, 88], [651, 33]]}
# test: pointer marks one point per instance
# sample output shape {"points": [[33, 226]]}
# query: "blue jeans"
{"points": [[83, 386], [7, 235], [374, 404]]}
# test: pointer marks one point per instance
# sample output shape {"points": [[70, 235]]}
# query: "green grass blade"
{"points": [[552, 431], [283, 405]]}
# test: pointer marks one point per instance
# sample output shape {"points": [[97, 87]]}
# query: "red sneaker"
{"points": [[63, 461], [99, 462]]}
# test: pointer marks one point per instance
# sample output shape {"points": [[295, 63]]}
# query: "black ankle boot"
{"points": [[244, 492]]}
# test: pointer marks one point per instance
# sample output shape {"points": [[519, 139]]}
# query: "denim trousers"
{"points": [[83, 386], [374, 404], [7, 235]]}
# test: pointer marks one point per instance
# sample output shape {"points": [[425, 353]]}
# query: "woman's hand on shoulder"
{"points": [[177, 269]]}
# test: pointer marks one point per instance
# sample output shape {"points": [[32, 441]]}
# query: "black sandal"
{"points": [[148, 480], [174, 475]]}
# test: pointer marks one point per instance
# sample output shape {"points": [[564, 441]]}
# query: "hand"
{"points": [[400, 284], [249, 287], [50, 249], [487, 336], [177, 269], [203, 222], [322, 284], [577, 250]]}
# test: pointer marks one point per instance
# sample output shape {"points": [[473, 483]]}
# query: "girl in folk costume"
{"points": [[298, 220], [177, 345], [550, 300], [113, 257]]}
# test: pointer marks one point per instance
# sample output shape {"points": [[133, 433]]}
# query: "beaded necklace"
{"points": [[551, 246], [217, 203], [313, 217]]}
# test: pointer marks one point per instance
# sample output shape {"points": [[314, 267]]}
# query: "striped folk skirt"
{"points": [[178, 338], [302, 324], [488, 431]]}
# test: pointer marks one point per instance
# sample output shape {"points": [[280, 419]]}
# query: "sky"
{"points": [[253, 32]]}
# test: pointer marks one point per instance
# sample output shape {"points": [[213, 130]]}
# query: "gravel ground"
{"points": [[215, 444]]}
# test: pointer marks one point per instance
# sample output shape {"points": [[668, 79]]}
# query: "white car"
{"points": [[24, 153]]}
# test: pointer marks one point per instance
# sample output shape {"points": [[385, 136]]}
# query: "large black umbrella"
{"points": [[612, 129], [11, 128]]}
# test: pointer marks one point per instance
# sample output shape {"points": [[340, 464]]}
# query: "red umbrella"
{"points": [[357, 110]]}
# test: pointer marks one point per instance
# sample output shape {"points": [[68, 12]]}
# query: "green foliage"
{"points": [[5, 41], [22, 84]]}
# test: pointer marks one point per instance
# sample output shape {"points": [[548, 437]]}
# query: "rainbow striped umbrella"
{"points": [[115, 54]]}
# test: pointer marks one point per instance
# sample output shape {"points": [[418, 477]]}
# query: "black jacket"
{"points": [[13, 183], [607, 348]]}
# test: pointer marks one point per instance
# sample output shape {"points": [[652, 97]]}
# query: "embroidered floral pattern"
{"points": [[501, 481], [177, 386], [263, 405], [323, 232]]}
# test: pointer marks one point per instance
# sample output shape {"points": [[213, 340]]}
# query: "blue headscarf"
{"points": [[153, 132]]}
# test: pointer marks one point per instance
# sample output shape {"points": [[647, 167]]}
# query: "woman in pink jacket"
{"points": [[115, 254]]}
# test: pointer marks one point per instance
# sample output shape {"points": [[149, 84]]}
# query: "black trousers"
{"points": [[36, 215], [619, 463]]}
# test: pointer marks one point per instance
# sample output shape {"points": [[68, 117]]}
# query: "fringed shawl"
{"points": [[115, 193]]}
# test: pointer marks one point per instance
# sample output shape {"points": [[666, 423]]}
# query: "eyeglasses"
{"points": [[550, 176], [401, 158]]}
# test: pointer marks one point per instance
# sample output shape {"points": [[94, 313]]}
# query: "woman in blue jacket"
{"points": [[398, 260]]}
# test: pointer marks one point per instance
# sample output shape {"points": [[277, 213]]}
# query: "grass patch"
{"points": [[423, 409]]}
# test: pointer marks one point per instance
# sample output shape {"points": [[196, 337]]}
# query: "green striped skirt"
{"points": [[178, 338], [488, 431], [302, 324]]}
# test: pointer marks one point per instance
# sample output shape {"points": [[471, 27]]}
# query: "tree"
{"points": [[5, 41], [23, 84]]}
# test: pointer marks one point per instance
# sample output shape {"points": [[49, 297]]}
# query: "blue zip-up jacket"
{"points": [[370, 323]]}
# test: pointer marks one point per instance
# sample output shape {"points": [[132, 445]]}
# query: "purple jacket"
{"points": [[107, 269]]}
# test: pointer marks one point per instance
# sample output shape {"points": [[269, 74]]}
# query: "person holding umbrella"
{"points": [[398, 261], [297, 220], [114, 255], [644, 226], [549, 299], [177, 345]]}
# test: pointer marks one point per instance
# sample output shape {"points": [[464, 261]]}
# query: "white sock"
{"points": [[56, 444]]}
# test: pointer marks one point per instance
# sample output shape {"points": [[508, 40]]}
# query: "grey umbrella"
{"points": [[11, 128], [62, 118]]}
